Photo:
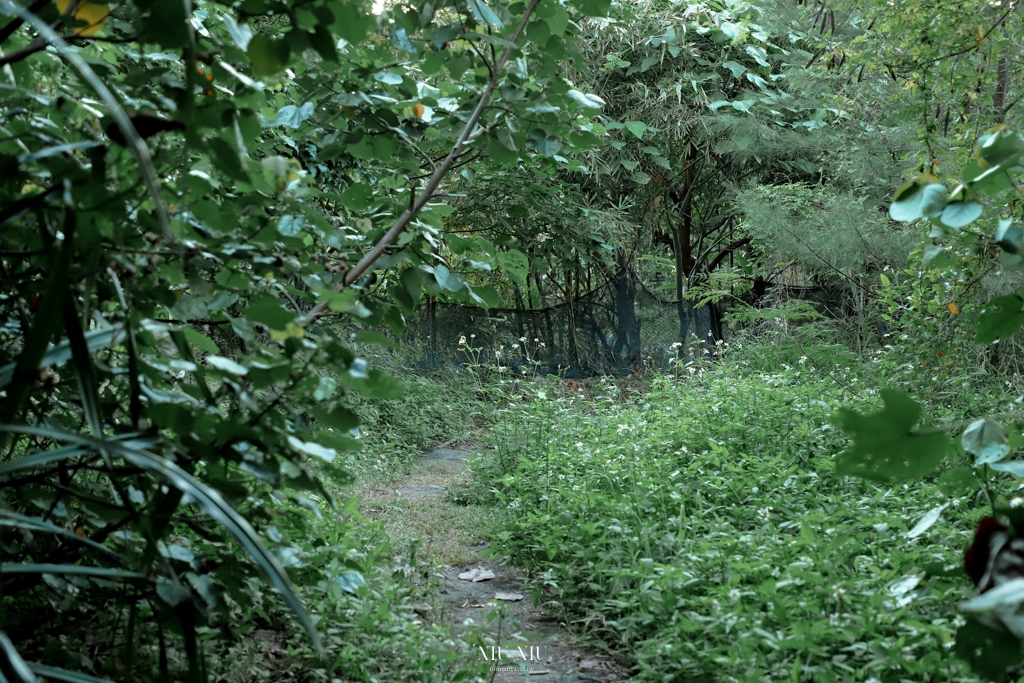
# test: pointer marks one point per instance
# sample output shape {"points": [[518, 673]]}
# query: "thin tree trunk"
{"points": [[1002, 82]]}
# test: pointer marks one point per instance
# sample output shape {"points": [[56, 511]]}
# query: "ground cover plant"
{"points": [[700, 530]]}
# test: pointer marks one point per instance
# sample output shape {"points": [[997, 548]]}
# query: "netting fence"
{"points": [[620, 327]]}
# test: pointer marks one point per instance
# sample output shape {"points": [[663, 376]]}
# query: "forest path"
{"points": [[534, 645]]}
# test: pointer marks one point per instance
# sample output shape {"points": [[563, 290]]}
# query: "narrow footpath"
{"points": [[534, 645]]}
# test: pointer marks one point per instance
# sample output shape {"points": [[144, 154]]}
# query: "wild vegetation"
{"points": [[226, 233]]}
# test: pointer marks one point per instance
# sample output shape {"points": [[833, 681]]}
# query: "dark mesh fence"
{"points": [[618, 328]]}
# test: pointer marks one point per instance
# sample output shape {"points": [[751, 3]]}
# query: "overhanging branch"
{"points": [[468, 134]]}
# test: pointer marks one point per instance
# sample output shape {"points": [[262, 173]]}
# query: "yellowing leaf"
{"points": [[953, 308], [92, 14], [290, 331], [417, 110]]}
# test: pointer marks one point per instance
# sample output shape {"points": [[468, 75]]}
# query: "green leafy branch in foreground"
{"points": [[886, 446], [180, 288]]}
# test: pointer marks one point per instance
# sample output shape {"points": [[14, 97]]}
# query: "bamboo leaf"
{"points": [[209, 499], [13, 519], [57, 674], [109, 573], [59, 354], [12, 667]]}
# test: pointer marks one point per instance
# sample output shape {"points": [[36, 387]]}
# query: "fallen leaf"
{"points": [[590, 663], [510, 597], [477, 575]]}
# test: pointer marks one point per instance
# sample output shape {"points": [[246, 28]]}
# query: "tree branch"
{"points": [[725, 252], [468, 133]]}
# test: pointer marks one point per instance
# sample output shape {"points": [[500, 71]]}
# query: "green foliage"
{"points": [[682, 532], [198, 204], [885, 446], [823, 230]]}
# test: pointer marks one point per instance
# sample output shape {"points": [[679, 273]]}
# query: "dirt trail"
{"points": [[534, 646]]}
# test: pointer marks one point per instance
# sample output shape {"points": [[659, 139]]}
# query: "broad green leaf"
{"points": [[1001, 318], [927, 521], [923, 197], [227, 365], [314, 449], [350, 21], [1016, 468], [637, 128], [173, 592], [290, 225], [357, 197], [268, 56], [240, 33], [484, 14], [349, 582], [588, 100], [375, 384], [987, 441], [489, 295], [885, 446], [388, 77], [500, 153], [515, 264], [201, 340], [448, 280], [1010, 237], [736, 68], [340, 418], [548, 145], [371, 337], [990, 652], [960, 214], [1000, 146], [958, 481], [292, 116], [267, 310], [593, 8], [400, 37]]}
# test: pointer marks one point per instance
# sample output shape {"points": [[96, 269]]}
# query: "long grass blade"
{"points": [[109, 573], [209, 499], [85, 374], [45, 458], [13, 519], [55, 674], [12, 666], [60, 353]]}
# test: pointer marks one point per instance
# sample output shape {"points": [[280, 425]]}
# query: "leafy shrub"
{"points": [[700, 531]]}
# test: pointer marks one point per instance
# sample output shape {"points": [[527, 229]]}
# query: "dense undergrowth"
{"points": [[699, 531], [358, 585]]}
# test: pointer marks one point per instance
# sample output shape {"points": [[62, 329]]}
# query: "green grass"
{"points": [[698, 531]]}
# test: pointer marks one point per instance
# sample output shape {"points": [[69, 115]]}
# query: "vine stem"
{"points": [[469, 133]]}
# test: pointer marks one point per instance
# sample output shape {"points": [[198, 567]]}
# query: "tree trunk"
{"points": [[627, 334], [1002, 82]]}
